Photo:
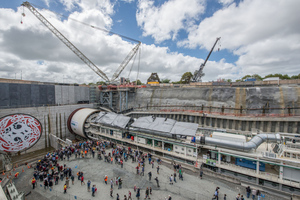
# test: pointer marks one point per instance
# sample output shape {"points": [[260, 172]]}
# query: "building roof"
{"points": [[166, 125]]}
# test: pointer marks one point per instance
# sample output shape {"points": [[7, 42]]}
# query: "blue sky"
{"points": [[256, 37]]}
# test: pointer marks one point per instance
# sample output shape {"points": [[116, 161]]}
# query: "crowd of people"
{"points": [[50, 172]]}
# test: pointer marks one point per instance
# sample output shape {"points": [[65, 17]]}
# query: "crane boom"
{"points": [[65, 41], [125, 62], [199, 73]]}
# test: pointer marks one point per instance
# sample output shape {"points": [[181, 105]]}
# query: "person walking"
{"points": [[118, 197], [157, 169], [216, 194], [157, 181], [150, 190], [33, 181], [125, 198]]}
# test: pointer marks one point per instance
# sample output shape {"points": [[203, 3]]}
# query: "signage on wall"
{"points": [[19, 132]]}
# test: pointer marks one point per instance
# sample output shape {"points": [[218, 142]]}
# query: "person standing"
{"points": [[253, 193], [171, 179], [143, 170], [82, 180], [111, 192], [67, 182], [258, 194], [33, 182], [248, 191], [72, 178], [93, 190], [65, 188], [175, 177], [150, 190], [129, 195], [157, 169], [118, 197], [147, 193], [89, 185], [150, 175], [201, 173], [138, 194], [111, 183], [105, 179]]}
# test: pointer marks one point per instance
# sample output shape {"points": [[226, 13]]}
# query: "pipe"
{"points": [[243, 146]]}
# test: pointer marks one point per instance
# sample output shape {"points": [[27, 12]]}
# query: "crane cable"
{"points": [[137, 76], [86, 24]]}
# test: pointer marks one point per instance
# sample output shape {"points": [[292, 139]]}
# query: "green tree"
{"points": [[138, 82], [165, 80], [228, 80], [100, 83], [256, 76], [295, 76], [186, 78]]}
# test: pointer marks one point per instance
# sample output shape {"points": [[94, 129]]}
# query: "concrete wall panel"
{"points": [[4, 95]]}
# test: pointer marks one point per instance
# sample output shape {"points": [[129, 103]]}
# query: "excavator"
{"points": [[75, 50], [198, 74]]}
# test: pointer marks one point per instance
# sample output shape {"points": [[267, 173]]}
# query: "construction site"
{"points": [[240, 134]]}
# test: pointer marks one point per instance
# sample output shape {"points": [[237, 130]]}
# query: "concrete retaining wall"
{"points": [[53, 120], [230, 97]]}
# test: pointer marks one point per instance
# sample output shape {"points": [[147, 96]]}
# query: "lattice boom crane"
{"points": [[198, 74], [65, 41]]}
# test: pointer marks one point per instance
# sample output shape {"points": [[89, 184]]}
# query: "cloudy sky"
{"points": [[257, 36]]}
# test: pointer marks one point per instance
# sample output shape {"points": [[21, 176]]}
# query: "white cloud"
{"points": [[264, 34], [164, 22]]}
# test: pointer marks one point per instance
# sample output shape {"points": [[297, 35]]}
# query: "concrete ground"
{"points": [[94, 170]]}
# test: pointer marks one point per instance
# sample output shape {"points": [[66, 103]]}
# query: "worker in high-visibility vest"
{"points": [[33, 181], [17, 174]]}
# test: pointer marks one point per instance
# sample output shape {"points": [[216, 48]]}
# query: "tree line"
{"points": [[187, 77]]}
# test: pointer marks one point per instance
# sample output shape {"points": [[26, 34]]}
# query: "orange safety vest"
{"points": [[105, 178], [65, 187]]}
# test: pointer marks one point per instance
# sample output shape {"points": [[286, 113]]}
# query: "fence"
{"points": [[229, 111]]}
